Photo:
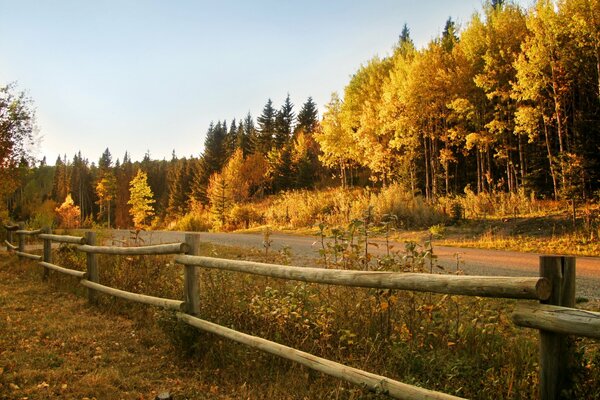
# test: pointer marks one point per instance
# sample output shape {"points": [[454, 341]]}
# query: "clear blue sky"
{"points": [[151, 75]]}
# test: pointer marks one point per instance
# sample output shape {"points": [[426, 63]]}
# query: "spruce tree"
{"points": [[284, 123], [215, 153], [307, 117], [266, 128]]}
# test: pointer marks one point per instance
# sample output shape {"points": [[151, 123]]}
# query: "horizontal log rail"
{"points": [[72, 272], [10, 245], [28, 255], [170, 304], [11, 227], [376, 383], [565, 320], [62, 238], [25, 232], [483, 286], [159, 249]]}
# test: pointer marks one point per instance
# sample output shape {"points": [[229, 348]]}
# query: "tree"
{"points": [[308, 117], [17, 129], [68, 213], [284, 122], [266, 129], [106, 191], [140, 200], [219, 195], [337, 145]]}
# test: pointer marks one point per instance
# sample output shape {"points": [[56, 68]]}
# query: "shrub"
{"points": [[244, 215], [194, 222]]}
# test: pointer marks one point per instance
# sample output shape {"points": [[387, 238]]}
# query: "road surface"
{"points": [[471, 261]]}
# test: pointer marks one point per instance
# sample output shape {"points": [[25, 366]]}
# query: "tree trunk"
{"points": [[552, 172], [426, 158]]}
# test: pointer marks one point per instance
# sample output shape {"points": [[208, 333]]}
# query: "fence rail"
{"points": [[565, 320], [555, 286], [483, 286], [159, 249]]}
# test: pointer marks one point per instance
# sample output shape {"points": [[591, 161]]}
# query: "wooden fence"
{"points": [[555, 316]]}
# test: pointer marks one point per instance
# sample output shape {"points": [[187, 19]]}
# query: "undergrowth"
{"points": [[466, 346]]}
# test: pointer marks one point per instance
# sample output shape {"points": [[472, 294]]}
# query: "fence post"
{"points": [[190, 276], [92, 266], [21, 240], [47, 252], [556, 351], [9, 238]]}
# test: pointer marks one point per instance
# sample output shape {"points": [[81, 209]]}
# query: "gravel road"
{"points": [[472, 261]]}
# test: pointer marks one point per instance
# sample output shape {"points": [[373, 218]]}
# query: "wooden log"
{"points": [[63, 238], [555, 348], [484, 286], [47, 253], [568, 321], [376, 383], [8, 241], [20, 241], [171, 248], [92, 266], [177, 305], [190, 277], [11, 227], [29, 233], [72, 272], [28, 255]]}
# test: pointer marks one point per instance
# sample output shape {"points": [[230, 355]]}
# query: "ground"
{"points": [[53, 344]]}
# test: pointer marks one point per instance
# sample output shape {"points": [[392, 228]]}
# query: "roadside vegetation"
{"points": [[459, 345]]}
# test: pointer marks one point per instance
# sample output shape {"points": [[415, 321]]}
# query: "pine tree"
{"points": [[284, 124], [231, 139], [215, 153], [60, 184], [124, 174], [250, 136], [307, 119], [266, 129], [141, 200]]}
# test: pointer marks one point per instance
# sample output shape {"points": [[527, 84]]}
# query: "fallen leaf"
{"points": [[63, 386], [43, 385], [13, 386]]}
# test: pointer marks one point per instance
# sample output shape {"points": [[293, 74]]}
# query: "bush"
{"points": [[244, 216], [192, 222]]}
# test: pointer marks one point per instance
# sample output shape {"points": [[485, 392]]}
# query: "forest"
{"points": [[508, 103]]}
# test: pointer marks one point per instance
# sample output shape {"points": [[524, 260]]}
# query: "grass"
{"points": [[55, 345], [549, 234]]}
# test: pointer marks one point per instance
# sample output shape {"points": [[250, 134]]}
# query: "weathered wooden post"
{"points": [[47, 252], [21, 240], [9, 237], [555, 349], [92, 266], [190, 276]]}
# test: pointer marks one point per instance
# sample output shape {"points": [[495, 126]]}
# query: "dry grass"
{"points": [[55, 345]]}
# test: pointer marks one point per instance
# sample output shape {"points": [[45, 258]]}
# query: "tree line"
{"points": [[510, 102]]}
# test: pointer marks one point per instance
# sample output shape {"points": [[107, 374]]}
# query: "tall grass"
{"points": [[465, 346]]}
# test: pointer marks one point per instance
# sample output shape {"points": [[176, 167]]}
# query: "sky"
{"points": [[149, 76]]}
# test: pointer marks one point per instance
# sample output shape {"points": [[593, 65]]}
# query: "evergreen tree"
{"points": [[60, 184], [266, 129], [215, 153], [250, 136], [307, 119], [124, 174], [180, 186], [231, 139], [284, 123]]}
